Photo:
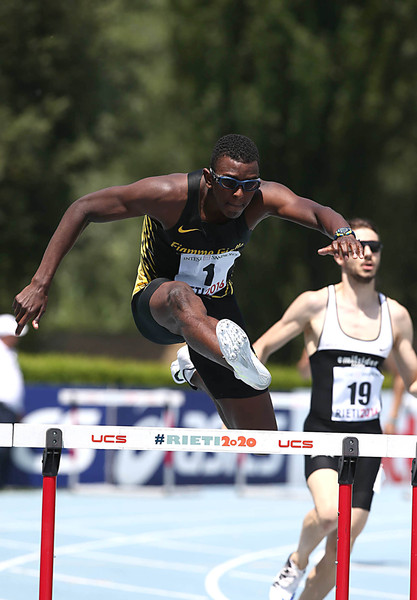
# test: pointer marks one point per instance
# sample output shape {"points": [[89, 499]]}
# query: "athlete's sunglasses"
{"points": [[230, 183], [373, 246]]}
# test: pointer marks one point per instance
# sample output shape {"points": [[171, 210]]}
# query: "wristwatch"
{"points": [[343, 231]]}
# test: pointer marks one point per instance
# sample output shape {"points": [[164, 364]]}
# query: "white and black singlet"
{"points": [[346, 375], [346, 393]]}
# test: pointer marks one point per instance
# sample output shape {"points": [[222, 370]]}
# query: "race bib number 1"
{"points": [[206, 274]]}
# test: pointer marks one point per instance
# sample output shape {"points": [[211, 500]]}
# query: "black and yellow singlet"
{"points": [[198, 253]]}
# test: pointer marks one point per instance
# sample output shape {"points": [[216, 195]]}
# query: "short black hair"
{"points": [[235, 146], [361, 222]]}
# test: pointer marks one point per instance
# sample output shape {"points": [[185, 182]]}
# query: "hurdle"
{"points": [[48, 437], [50, 465], [347, 465], [280, 400], [112, 399]]}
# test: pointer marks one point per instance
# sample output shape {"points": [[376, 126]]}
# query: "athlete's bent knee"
{"points": [[184, 307], [180, 296], [328, 520]]}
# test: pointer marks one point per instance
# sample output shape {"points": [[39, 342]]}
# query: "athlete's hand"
{"points": [[30, 305], [390, 428], [345, 246]]}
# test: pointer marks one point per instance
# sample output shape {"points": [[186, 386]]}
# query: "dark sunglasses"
{"points": [[230, 183], [373, 246]]}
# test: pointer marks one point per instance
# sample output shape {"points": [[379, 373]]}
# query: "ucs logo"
{"points": [[295, 444], [109, 439]]}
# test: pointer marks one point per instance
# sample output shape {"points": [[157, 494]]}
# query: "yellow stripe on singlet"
{"points": [[146, 268]]}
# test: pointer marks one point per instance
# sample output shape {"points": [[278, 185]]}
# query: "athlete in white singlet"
{"points": [[347, 373], [349, 329]]}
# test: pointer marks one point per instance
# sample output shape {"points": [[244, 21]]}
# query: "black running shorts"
{"points": [[219, 380], [366, 467]]}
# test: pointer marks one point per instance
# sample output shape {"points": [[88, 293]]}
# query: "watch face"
{"points": [[343, 230]]}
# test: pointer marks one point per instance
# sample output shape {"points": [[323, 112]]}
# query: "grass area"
{"points": [[77, 369]]}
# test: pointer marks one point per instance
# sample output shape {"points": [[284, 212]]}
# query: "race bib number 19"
{"points": [[356, 393], [206, 274]]}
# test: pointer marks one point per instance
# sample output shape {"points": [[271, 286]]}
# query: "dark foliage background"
{"points": [[100, 93]]}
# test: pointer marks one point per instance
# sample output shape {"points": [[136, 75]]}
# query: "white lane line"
{"points": [[212, 579], [111, 585], [18, 560], [150, 537], [212, 585]]}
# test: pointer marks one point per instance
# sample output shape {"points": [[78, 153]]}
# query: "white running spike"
{"points": [[235, 347]]}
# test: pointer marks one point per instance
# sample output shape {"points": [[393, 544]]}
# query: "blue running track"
{"points": [[198, 544]]}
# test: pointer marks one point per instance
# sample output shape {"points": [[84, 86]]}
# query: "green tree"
{"points": [[101, 93], [53, 113], [328, 92], [77, 83]]}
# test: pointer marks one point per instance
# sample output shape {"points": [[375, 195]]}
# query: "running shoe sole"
{"points": [[236, 350], [286, 582]]}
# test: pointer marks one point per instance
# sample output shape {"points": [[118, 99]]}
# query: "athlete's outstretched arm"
{"points": [[403, 351], [160, 197], [293, 322], [277, 200], [398, 389]]}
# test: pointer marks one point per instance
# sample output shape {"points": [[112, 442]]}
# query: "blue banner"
{"points": [[163, 407]]}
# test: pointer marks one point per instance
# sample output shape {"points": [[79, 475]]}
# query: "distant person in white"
{"points": [[12, 387]]}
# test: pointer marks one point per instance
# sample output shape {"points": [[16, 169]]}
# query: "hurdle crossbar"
{"points": [[208, 440], [214, 440]]}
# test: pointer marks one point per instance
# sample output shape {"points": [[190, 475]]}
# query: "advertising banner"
{"points": [[164, 407]]}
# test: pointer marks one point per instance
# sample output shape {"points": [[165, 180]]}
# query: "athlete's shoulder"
{"points": [[311, 302], [316, 298], [401, 322], [171, 185], [273, 194], [274, 199], [273, 187], [161, 197], [267, 201], [398, 311]]}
